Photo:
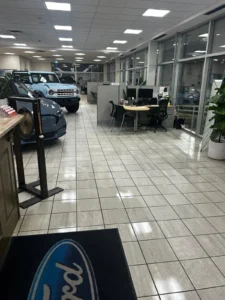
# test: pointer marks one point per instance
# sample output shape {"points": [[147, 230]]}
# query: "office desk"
{"points": [[137, 109]]}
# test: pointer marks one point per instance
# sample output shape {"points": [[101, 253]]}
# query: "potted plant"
{"points": [[216, 143]]}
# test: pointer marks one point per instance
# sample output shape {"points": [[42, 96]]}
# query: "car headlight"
{"points": [[51, 92]]}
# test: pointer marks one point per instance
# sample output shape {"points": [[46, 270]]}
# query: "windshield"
{"points": [[23, 90], [23, 77], [44, 78]]}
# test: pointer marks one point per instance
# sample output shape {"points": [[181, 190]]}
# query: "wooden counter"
{"points": [[9, 204], [7, 124]]}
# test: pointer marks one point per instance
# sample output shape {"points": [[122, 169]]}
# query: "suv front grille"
{"points": [[65, 92]]}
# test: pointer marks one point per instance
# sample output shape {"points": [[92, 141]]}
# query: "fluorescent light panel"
{"points": [[29, 52], [9, 53], [200, 51], [17, 44], [57, 55], [3, 36], [65, 39], [159, 13], [59, 27], [81, 54], [60, 58], [101, 56], [133, 31], [58, 6], [97, 59], [79, 58], [65, 46], [36, 56], [223, 46], [119, 42], [204, 35], [111, 48]]}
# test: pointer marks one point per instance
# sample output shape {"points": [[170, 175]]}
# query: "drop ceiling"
{"points": [[96, 24]]}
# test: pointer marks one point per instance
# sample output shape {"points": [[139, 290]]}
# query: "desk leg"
{"points": [[136, 122]]}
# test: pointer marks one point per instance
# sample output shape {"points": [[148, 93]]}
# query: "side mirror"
{"points": [[37, 94]]}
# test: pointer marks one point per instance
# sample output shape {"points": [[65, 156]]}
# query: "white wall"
{"points": [[25, 63], [41, 66], [9, 62]]}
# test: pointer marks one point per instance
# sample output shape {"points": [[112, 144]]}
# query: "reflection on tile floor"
{"points": [[166, 198]]}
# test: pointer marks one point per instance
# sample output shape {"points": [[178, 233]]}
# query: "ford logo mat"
{"points": [[64, 273]]}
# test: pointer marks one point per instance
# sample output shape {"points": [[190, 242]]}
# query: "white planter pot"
{"points": [[216, 150]]}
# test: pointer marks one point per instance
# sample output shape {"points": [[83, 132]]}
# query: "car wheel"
{"points": [[73, 109]]}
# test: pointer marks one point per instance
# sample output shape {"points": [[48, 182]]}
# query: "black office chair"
{"points": [[112, 114], [158, 115], [121, 115]]}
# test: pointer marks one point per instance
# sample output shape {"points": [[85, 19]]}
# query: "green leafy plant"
{"points": [[218, 108]]}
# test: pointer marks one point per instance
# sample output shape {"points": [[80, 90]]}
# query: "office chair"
{"points": [[158, 115], [112, 114], [122, 116]]}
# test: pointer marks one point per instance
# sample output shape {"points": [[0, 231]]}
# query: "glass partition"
{"points": [[167, 74]]}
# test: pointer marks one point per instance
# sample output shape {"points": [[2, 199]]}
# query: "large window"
{"points": [[219, 36], [167, 49], [215, 77], [111, 67], [133, 68], [167, 75], [195, 41], [189, 92]]}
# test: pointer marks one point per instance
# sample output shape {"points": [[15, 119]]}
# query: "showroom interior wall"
{"points": [[15, 62], [41, 66], [9, 62]]}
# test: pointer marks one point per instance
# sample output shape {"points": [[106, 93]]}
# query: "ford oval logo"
{"points": [[65, 273]]}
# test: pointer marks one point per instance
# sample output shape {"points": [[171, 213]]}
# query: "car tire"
{"points": [[73, 109]]}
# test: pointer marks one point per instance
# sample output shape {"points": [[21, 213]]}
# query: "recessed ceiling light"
{"points": [[52, 50], [65, 46], [29, 52], [215, 59], [58, 6], [65, 39], [57, 55], [79, 58], [97, 59], [155, 13], [223, 46], [133, 31], [16, 44], [60, 58], [218, 34], [59, 27], [119, 42], [137, 57], [200, 51], [36, 56], [101, 56], [41, 58], [141, 62], [9, 53], [204, 35], [81, 54], [3, 36], [111, 48]]}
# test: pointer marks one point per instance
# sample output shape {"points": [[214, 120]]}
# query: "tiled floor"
{"points": [[166, 198]]}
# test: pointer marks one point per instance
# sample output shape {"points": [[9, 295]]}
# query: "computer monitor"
{"points": [[131, 93], [145, 93]]}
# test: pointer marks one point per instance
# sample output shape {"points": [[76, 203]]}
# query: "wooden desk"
{"points": [[137, 109], [9, 204]]}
